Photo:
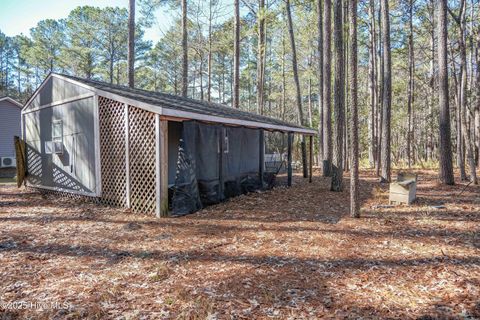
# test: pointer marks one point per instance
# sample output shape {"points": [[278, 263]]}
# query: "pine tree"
{"points": [[338, 97], [184, 49], [387, 94], [298, 95], [131, 44], [446, 166], [236, 61], [327, 88], [353, 83]]}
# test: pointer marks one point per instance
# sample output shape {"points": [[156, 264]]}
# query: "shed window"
{"points": [[57, 136]]}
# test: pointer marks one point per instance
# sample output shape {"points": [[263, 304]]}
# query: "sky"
{"points": [[18, 16]]}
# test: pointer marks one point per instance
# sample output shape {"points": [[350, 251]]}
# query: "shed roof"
{"points": [[11, 100], [187, 108]]}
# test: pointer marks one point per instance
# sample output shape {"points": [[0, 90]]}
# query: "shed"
{"points": [[10, 111], [148, 151]]}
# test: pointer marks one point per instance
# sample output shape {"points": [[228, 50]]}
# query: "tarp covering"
{"points": [[215, 162], [186, 197]]}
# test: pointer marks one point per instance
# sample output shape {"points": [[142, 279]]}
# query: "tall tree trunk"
{"points": [[268, 54], [477, 102], [223, 79], [184, 49], [380, 89], [387, 94], [411, 89], [458, 119], [410, 85], [320, 81], [231, 81], [194, 80], [298, 95], [459, 94], [236, 57], [338, 98], [372, 66], [200, 76], [131, 44], [310, 116], [118, 73], [111, 66], [327, 89], [431, 116], [463, 94], [458, 122], [260, 56], [446, 166], [309, 95], [284, 82], [346, 47], [209, 85], [249, 87], [471, 73], [352, 63], [19, 74]]}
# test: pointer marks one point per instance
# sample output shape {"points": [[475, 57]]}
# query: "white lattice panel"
{"points": [[142, 160], [112, 151], [34, 165]]}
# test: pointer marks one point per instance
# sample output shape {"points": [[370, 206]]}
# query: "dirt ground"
{"points": [[283, 254]]}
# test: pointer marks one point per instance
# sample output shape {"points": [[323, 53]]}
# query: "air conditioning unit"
{"points": [[8, 162]]}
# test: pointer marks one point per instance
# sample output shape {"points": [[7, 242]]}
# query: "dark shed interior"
{"points": [[211, 163]]}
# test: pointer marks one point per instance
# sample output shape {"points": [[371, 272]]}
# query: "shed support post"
{"points": [[289, 158], [98, 163], [310, 164], [221, 148], [261, 164], [127, 157], [303, 145], [161, 130]]}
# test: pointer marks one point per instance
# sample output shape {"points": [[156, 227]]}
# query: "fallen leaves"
{"points": [[286, 253]]}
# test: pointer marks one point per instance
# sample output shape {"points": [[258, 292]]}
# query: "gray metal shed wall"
{"points": [[56, 90], [9, 127], [75, 168]]}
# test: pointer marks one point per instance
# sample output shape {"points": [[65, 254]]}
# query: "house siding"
{"points": [[9, 127]]}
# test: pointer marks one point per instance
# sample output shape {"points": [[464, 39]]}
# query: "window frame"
{"points": [[57, 137]]}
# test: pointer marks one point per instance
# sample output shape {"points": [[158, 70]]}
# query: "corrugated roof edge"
{"points": [[169, 101]]}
